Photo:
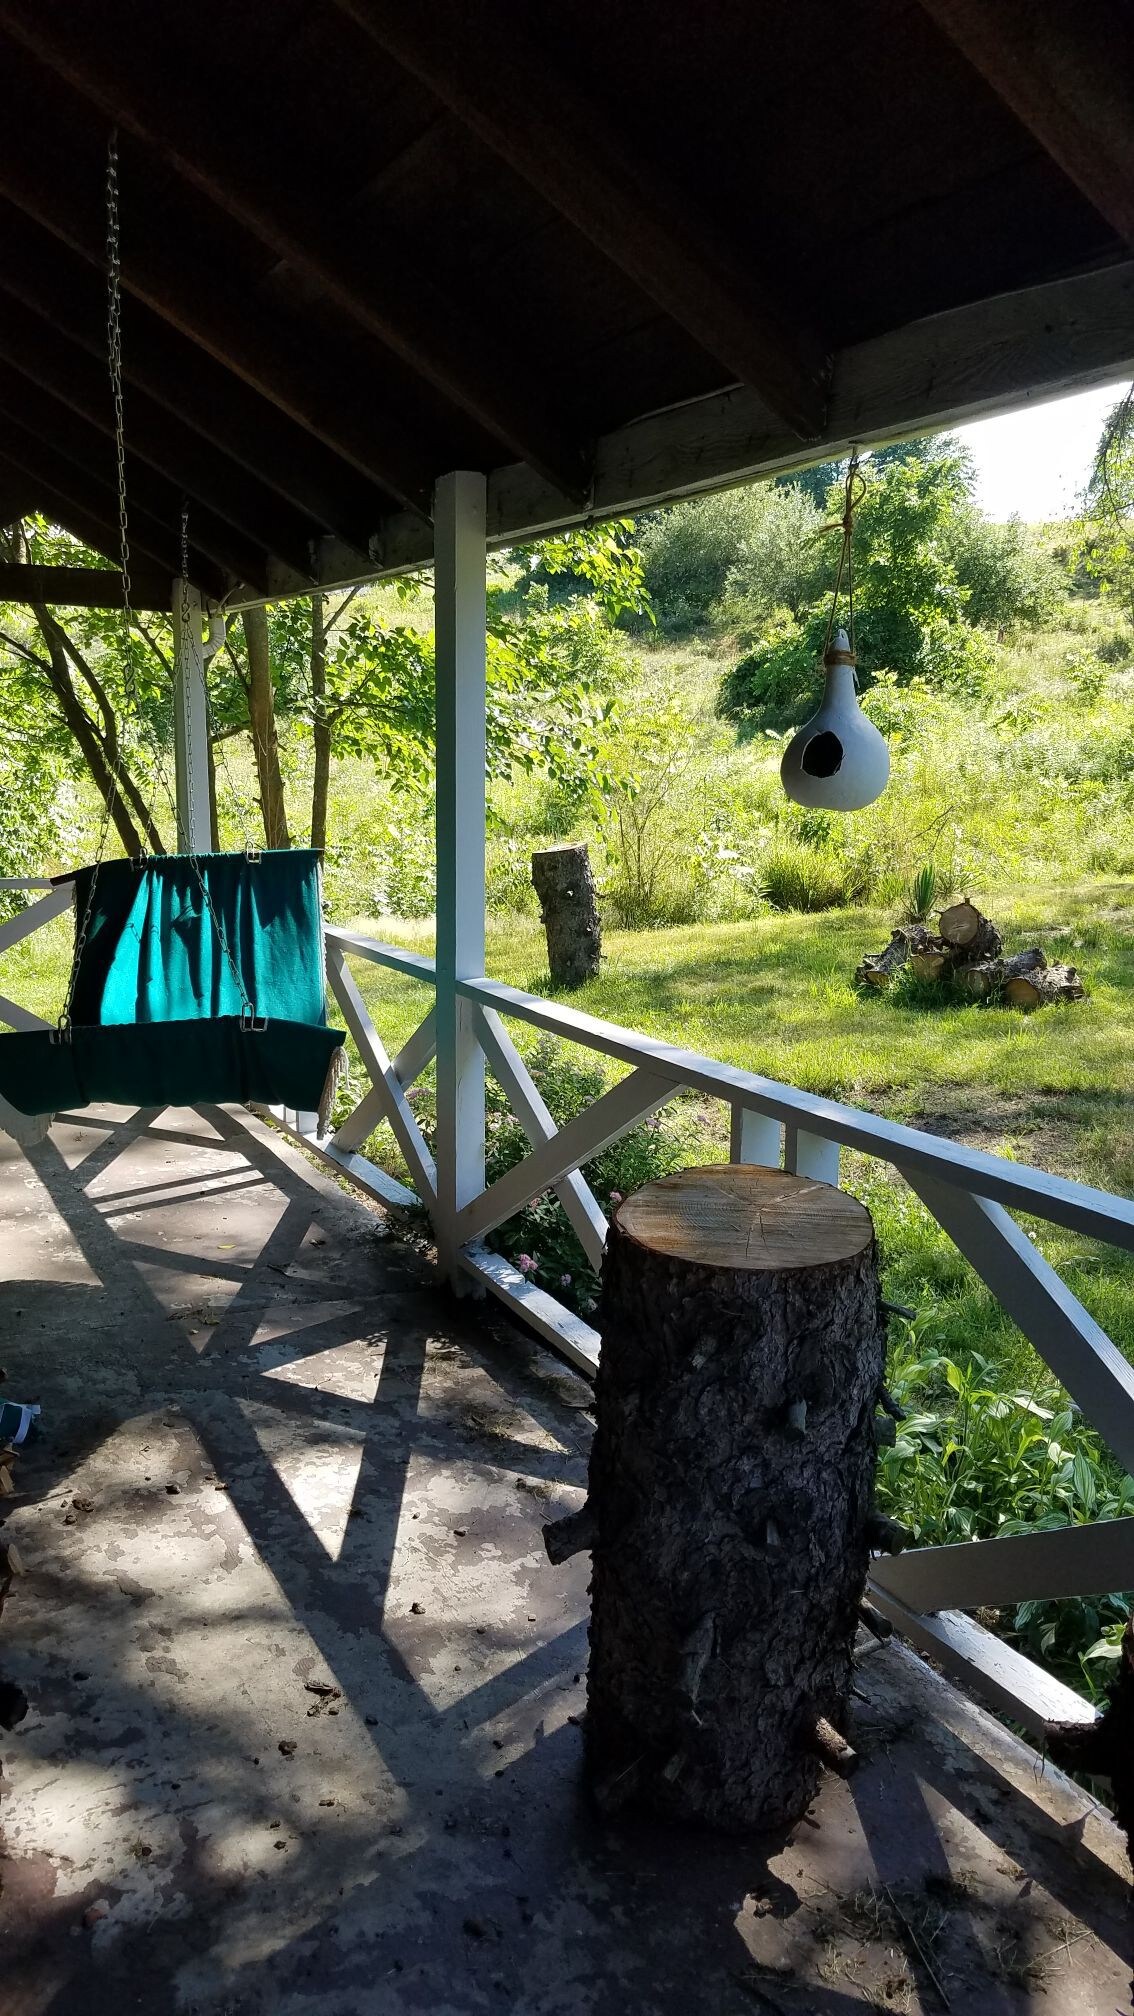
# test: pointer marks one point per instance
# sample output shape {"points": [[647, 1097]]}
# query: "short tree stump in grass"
{"points": [[731, 1484]]}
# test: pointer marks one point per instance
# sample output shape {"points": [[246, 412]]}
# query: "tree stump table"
{"points": [[731, 1484]]}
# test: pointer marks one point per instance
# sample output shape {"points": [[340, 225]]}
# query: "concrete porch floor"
{"points": [[275, 1460]]}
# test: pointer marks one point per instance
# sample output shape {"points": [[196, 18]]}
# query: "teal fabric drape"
{"points": [[153, 954], [156, 1007]]}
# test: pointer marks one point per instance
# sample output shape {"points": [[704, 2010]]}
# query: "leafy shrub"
{"points": [[977, 1458], [539, 1240], [687, 551], [924, 891], [781, 563], [1009, 577], [754, 548], [794, 876]]}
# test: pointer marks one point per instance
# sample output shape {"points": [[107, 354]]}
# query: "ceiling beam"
{"points": [[84, 587], [54, 479], [396, 302], [965, 364], [45, 276], [100, 534], [211, 300], [1067, 72], [64, 394], [79, 463], [484, 64]]}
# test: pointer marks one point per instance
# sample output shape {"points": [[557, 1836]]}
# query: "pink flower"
{"points": [[525, 1263], [616, 1196], [564, 1280]]}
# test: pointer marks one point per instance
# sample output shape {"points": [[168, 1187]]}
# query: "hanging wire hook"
{"points": [[854, 490]]}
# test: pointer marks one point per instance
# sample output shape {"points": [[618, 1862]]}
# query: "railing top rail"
{"points": [[1096, 1213], [1055, 1198], [415, 964], [26, 882]]}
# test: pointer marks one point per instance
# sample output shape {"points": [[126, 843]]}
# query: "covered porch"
{"points": [[268, 1415], [306, 1693]]}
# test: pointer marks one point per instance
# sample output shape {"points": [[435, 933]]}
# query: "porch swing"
{"points": [[195, 977]]}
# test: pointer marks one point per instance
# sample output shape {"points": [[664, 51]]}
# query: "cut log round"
{"points": [[878, 968], [933, 962], [730, 1488], [1043, 985], [991, 975], [964, 927], [562, 879]]}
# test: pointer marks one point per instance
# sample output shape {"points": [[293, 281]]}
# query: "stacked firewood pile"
{"points": [[967, 951]]}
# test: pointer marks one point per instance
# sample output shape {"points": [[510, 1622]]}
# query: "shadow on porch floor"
{"points": [[276, 1462]]}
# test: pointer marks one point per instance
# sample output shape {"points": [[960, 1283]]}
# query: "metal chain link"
{"points": [[114, 361], [114, 358], [247, 1011]]}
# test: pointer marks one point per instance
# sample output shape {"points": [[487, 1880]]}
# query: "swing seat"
{"points": [[173, 952]]}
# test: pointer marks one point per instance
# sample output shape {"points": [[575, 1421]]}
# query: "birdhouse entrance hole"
{"points": [[823, 755]]}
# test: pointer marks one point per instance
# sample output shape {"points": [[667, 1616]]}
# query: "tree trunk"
{"points": [[86, 735], [932, 961], [262, 722], [320, 725], [565, 886], [730, 1491], [214, 812]]}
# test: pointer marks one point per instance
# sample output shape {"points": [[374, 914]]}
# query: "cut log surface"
{"points": [[932, 962], [562, 879], [730, 1490], [990, 976], [879, 968], [1042, 985], [964, 927]]}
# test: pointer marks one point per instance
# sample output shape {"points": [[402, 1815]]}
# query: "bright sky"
{"points": [[1035, 463]]}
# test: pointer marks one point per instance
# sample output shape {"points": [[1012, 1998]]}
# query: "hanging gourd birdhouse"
{"points": [[838, 760]]}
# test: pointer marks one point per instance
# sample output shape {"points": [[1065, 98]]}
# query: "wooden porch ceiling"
{"points": [[607, 258]]}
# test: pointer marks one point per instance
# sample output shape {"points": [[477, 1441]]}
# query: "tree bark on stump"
{"points": [[731, 1482], [565, 886]]}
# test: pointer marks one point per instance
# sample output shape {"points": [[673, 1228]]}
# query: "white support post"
{"points": [[190, 721], [459, 618], [811, 1155], [754, 1137]]}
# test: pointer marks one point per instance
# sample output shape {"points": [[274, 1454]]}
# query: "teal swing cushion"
{"points": [[156, 1004]]}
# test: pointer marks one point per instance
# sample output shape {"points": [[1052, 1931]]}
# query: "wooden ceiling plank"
{"points": [[964, 364], [401, 306], [485, 66], [154, 526], [100, 534], [1067, 72], [63, 392], [83, 587], [48, 279], [217, 309]]}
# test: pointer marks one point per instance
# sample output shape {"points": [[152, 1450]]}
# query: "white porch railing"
{"points": [[926, 1591]]}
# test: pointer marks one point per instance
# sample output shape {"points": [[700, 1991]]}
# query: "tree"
{"points": [[260, 692], [96, 677], [910, 604], [1107, 544]]}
